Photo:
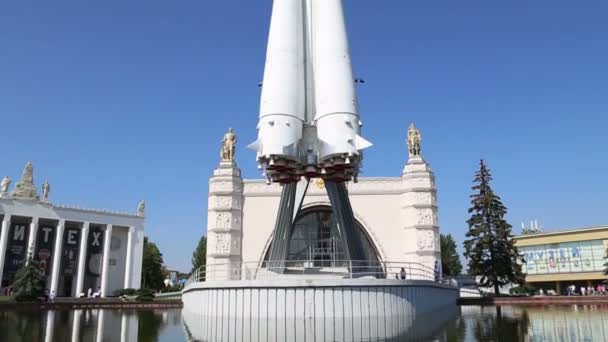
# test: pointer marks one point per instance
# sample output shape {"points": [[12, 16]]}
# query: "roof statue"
{"points": [[4, 187], [46, 188], [141, 209], [228, 146], [25, 188], [413, 141]]}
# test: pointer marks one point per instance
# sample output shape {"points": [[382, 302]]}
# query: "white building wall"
{"points": [[399, 214], [375, 202]]}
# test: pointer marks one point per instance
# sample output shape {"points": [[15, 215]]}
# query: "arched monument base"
{"points": [[316, 309]]}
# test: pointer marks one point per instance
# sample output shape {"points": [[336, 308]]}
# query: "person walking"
{"points": [[402, 273]]}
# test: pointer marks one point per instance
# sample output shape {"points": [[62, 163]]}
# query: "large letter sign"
{"points": [[44, 248]]}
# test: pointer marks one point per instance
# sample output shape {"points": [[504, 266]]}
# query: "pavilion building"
{"points": [[77, 249], [555, 260]]}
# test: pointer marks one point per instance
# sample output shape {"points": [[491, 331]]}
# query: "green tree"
{"points": [[153, 273], [199, 256], [29, 282], [450, 262], [489, 247]]}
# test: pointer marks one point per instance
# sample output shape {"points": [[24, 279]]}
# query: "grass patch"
{"points": [[4, 299]]}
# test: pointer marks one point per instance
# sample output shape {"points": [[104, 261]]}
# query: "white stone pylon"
{"points": [[225, 222], [420, 212]]}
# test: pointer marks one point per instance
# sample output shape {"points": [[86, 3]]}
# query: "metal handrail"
{"points": [[253, 270]]}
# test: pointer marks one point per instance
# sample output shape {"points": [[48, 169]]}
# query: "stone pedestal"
{"points": [[419, 213], [225, 222]]}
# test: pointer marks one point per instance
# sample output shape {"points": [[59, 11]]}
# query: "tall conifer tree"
{"points": [[450, 262], [489, 247]]}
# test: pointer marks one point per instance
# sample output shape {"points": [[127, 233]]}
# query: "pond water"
{"points": [[470, 323]]}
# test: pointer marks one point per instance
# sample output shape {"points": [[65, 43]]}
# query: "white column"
{"points": [[123, 328], [31, 241], [100, 322], [57, 251], [76, 326], [50, 324], [107, 239], [6, 224], [129, 257], [84, 235]]}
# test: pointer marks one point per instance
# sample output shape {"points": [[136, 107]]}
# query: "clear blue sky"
{"points": [[117, 101]]}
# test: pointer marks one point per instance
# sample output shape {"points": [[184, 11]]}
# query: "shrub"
{"points": [[145, 292], [144, 295], [174, 288], [125, 292], [142, 298], [524, 290]]}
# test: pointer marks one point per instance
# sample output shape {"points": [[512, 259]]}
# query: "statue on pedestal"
{"points": [[141, 209], [25, 188], [4, 187], [228, 146], [413, 141], [46, 188]]}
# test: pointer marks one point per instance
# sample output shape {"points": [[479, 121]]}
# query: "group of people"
{"points": [[7, 291], [91, 294], [600, 289]]}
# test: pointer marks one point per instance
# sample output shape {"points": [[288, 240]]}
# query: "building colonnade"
{"points": [[14, 229]]}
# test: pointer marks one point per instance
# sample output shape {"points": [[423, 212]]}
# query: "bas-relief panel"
{"points": [[424, 198], [426, 217], [224, 186], [420, 217], [224, 220], [419, 182], [225, 244], [418, 198], [425, 240], [224, 202]]}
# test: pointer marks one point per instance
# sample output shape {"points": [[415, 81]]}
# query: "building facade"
{"points": [[556, 260], [77, 249], [396, 217]]}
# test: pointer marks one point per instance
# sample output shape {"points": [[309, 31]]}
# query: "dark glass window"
{"points": [[316, 241]]}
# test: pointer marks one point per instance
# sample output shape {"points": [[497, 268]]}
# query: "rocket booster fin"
{"points": [[361, 143], [254, 145]]}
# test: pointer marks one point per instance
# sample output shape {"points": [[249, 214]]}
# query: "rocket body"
{"points": [[309, 122]]}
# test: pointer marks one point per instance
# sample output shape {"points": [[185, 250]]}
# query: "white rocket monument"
{"points": [[309, 123]]}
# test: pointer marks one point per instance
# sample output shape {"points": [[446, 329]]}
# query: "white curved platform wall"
{"points": [[311, 310]]}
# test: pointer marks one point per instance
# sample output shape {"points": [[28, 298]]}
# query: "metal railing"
{"points": [[169, 296], [317, 269]]}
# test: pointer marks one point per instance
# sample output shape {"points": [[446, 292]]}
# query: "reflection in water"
{"points": [[534, 323], [91, 326], [469, 323]]}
